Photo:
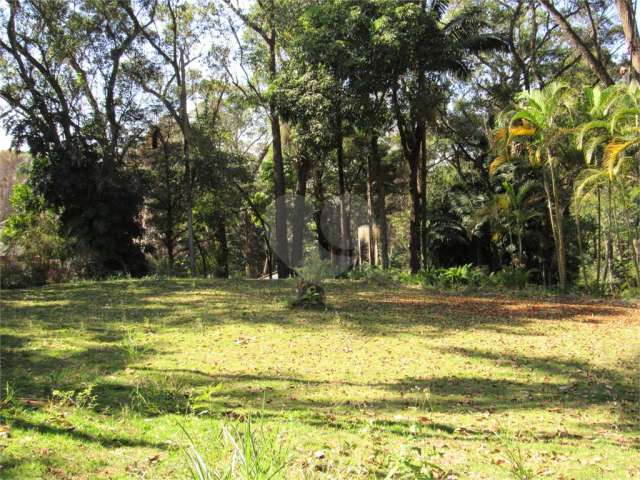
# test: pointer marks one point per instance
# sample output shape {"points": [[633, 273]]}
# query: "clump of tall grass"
{"points": [[517, 462], [246, 451]]}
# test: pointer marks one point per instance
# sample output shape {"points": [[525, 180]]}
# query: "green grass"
{"points": [[99, 378]]}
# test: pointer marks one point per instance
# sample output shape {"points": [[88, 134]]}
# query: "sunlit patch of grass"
{"points": [[389, 379]]}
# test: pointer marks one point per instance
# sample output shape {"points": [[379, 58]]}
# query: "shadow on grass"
{"points": [[99, 310], [34, 374], [107, 442], [590, 385], [103, 307], [402, 308], [567, 384]]}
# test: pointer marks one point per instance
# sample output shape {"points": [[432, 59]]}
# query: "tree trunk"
{"points": [[520, 255], [632, 243], [630, 29], [609, 242], [189, 201], [423, 201], [580, 251], [380, 200], [222, 251], [599, 240], [594, 64], [282, 247], [548, 189], [411, 139], [168, 231], [168, 243], [370, 217], [297, 245], [185, 128], [324, 247], [416, 214], [251, 245], [345, 222], [636, 253], [203, 256], [562, 252]]}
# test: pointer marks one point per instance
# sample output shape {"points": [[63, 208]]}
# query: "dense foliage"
{"points": [[252, 139]]}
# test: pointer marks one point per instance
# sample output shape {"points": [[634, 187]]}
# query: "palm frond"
{"points": [[484, 42], [525, 130], [525, 191], [497, 163], [537, 157], [592, 145], [620, 114], [439, 8], [586, 128], [612, 152], [500, 135], [525, 115], [586, 182]]}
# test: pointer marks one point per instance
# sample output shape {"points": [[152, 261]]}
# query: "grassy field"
{"points": [[99, 379]]}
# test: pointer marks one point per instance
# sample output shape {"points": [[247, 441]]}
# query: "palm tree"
{"points": [[625, 130], [510, 212], [535, 131], [519, 210], [608, 139], [423, 44], [592, 136]]}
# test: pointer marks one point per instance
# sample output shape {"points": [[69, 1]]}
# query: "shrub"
{"points": [[84, 398], [17, 272], [631, 293], [309, 295], [452, 277], [31, 241], [407, 278], [511, 277]]}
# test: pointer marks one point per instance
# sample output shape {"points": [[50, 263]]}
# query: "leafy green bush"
{"points": [[16, 273], [405, 277], [631, 293], [511, 278], [84, 398], [452, 277], [31, 241], [309, 295], [470, 276]]}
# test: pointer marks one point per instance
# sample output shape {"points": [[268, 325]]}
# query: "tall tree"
{"points": [[165, 196], [418, 60], [266, 21], [629, 19], [171, 30], [595, 63], [304, 95], [62, 77], [539, 124]]}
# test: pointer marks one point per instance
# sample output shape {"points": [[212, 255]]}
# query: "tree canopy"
{"points": [[249, 138]]}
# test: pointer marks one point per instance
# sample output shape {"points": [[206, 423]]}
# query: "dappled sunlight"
{"points": [[502, 309], [36, 303], [396, 365]]}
